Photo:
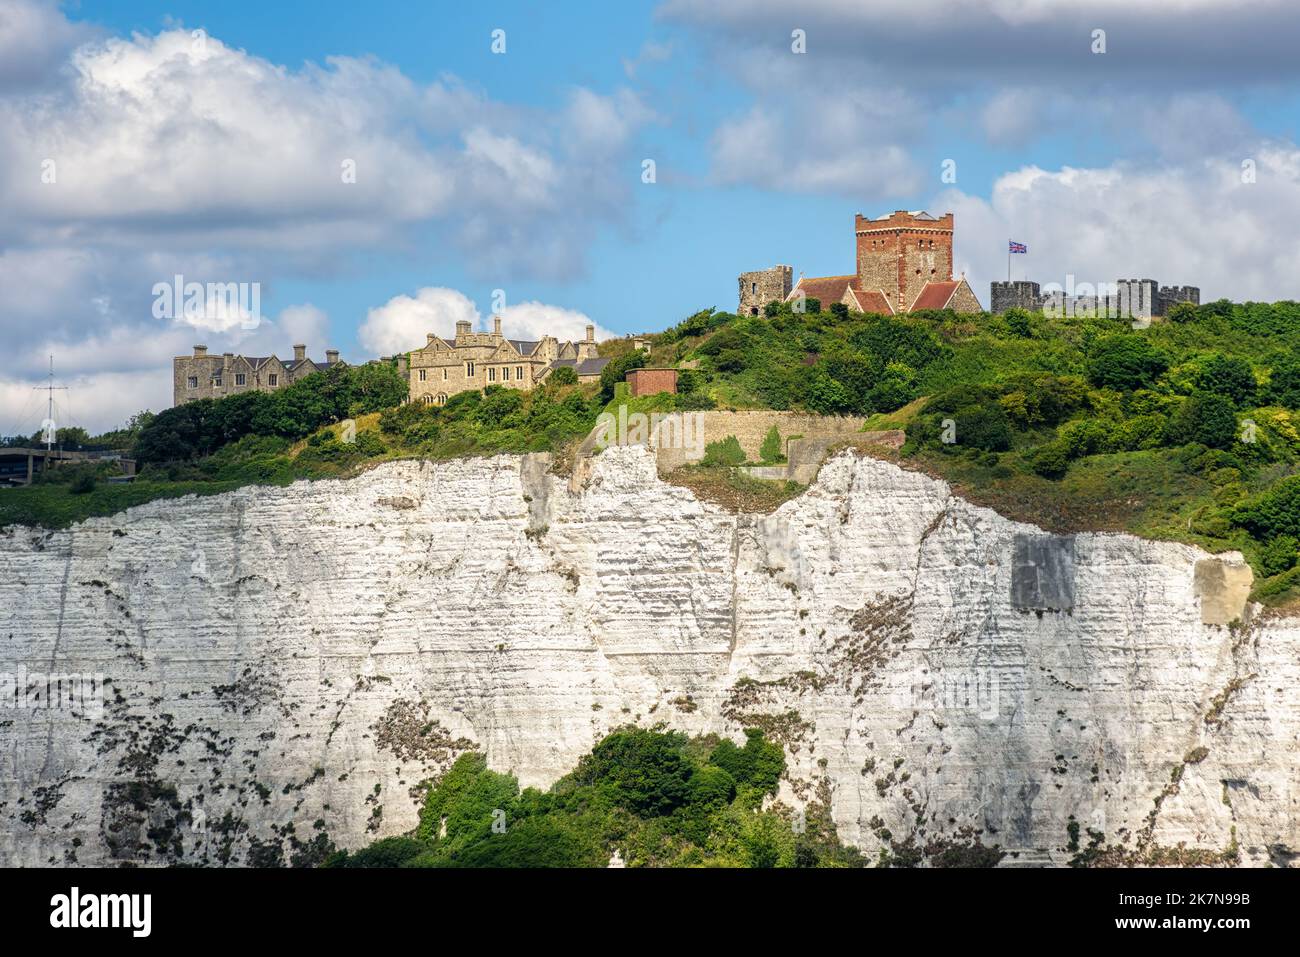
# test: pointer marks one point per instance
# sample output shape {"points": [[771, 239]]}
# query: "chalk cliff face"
{"points": [[282, 664]]}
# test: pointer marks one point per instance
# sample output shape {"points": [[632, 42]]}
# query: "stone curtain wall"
{"points": [[750, 428]]}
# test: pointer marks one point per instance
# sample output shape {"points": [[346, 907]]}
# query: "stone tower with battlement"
{"points": [[1020, 294], [899, 253], [759, 288], [1170, 296]]}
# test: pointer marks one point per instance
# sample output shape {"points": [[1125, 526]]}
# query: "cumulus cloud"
{"points": [[402, 323], [532, 320], [1191, 225], [35, 39], [125, 161]]}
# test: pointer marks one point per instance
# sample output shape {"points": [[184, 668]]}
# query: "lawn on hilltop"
{"points": [[1188, 430]]}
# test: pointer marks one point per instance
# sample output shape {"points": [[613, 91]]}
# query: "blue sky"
{"points": [[523, 172]]}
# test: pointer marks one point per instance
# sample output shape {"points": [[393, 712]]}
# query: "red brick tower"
{"points": [[898, 254]]}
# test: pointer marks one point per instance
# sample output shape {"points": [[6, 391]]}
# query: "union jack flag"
{"points": [[1017, 247]]}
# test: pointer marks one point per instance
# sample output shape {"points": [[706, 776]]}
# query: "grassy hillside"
{"points": [[1186, 430]]}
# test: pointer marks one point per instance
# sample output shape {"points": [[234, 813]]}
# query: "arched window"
{"points": [[426, 399], [442, 399]]}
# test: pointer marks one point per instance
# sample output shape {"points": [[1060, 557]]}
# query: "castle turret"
{"points": [[1020, 294], [759, 288]]}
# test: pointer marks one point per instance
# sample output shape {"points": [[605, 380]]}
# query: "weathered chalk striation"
{"points": [[286, 667]]}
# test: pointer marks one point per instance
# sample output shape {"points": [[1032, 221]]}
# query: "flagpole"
{"points": [[1008, 260]]}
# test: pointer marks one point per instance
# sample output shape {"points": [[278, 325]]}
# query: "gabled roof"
{"points": [[523, 346], [935, 295], [827, 289], [870, 300]]}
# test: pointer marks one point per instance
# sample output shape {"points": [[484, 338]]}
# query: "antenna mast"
{"points": [[49, 427]]}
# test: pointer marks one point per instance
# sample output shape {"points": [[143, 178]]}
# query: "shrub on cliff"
{"points": [[724, 452], [1125, 362]]}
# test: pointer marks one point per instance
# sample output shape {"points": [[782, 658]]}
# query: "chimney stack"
{"points": [[591, 332], [462, 328], [496, 325], [428, 338], [200, 351], [331, 356], [299, 352]]}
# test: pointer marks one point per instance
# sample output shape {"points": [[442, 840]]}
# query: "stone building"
{"points": [[203, 376], [904, 264], [759, 288], [475, 360]]}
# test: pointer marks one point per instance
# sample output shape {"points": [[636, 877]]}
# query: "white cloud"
{"points": [[1197, 225], [174, 156], [532, 320], [402, 323], [34, 41]]}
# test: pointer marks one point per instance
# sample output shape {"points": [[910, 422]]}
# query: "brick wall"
{"points": [[899, 254], [650, 381]]}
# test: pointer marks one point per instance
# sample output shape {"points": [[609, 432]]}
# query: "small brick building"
{"points": [[650, 381]]}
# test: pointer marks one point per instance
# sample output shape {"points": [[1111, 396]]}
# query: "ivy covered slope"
{"points": [[657, 798], [1186, 430]]}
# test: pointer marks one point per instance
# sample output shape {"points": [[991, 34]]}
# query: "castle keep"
{"points": [[475, 360], [201, 376], [904, 264]]}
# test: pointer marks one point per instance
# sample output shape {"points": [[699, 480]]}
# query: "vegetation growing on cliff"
{"points": [[658, 798], [1187, 430]]}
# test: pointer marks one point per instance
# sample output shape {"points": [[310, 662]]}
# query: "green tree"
{"points": [[1125, 362], [771, 449], [1204, 418]]}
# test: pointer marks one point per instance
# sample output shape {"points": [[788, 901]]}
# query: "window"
{"points": [[492, 374], [216, 381], [442, 399], [241, 378], [505, 373], [753, 289], [273, 380], [426, 399], [193, 383], [519, 373], [423, 374], [469, 370], [444, 375]]}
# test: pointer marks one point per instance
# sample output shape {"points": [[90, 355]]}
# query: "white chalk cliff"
{"points": [[284, 663]]}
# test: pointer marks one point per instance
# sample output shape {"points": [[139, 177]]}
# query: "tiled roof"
{"points": [[827, 289], [935, 295], [524, 347], [870, 300]]}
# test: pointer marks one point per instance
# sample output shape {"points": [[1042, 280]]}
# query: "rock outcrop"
{"points": [[285, 667]]}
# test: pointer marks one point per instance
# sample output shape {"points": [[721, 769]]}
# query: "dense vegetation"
{"points": [[659, 798], [1187, 430], [211, 446]]}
